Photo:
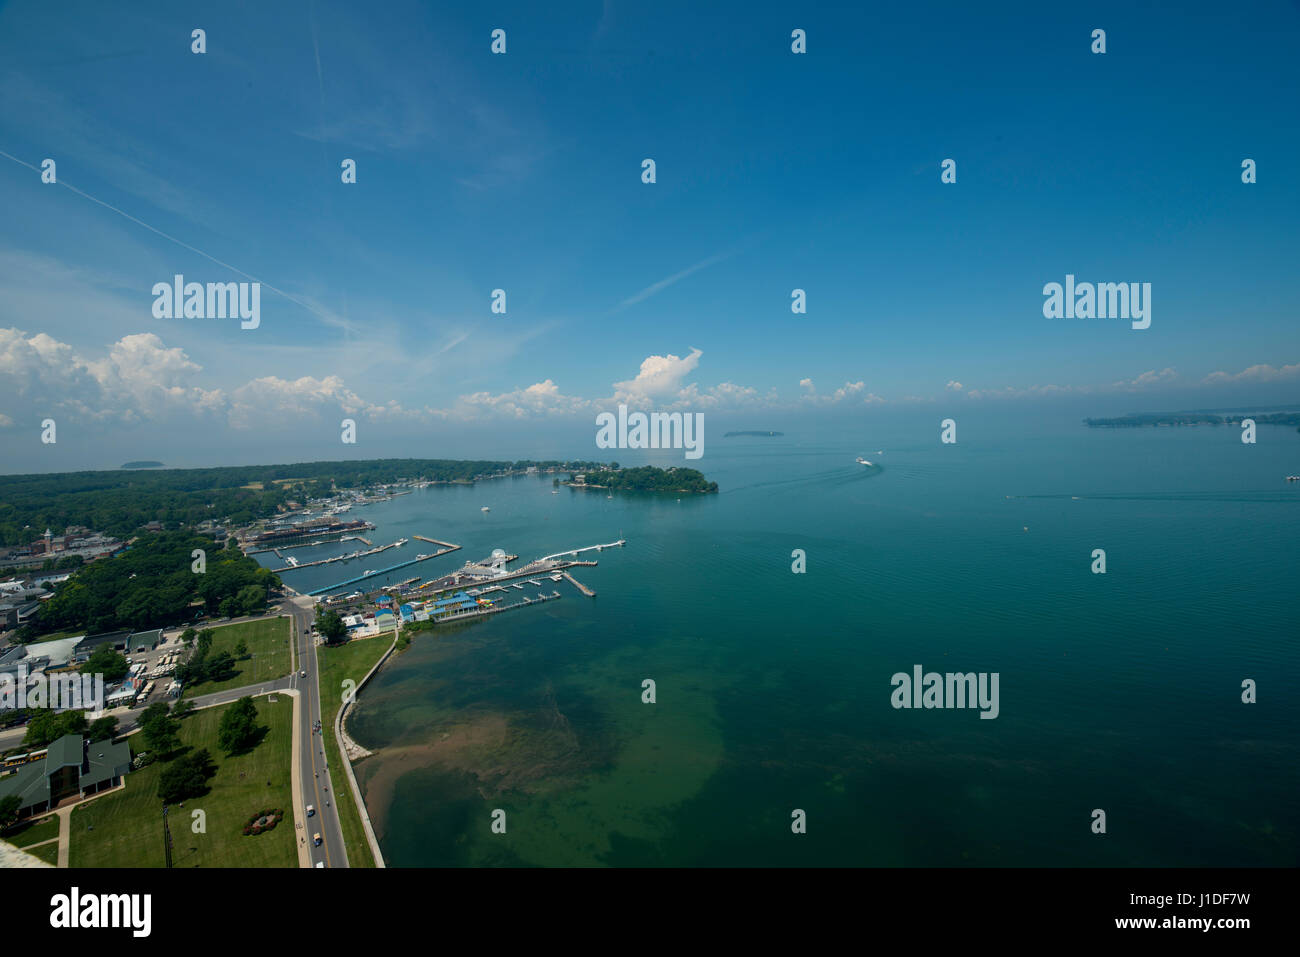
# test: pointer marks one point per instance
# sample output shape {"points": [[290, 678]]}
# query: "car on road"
{"points": [[320, 863], [315, 838], [310, 810], [302, 674]]}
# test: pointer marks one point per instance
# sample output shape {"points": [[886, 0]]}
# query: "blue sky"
{"points": [[774, 171]]}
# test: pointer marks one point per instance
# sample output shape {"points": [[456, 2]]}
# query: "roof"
{"points": [[141, 640], [29, 782], [16, 653], [105, 760], [64, 752], [109, 637]]}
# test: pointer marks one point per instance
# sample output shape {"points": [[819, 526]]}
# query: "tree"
{"points": [[101, 729], [186, 777], [238, 730], [182, 709], [188, 635], [47, 726], [9, 805], [331, 626], [107, 662], [241, 649], [161, 731]]}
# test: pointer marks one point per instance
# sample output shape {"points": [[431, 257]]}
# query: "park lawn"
{"points": [[268, 645], [127, 824], [33, 833], [353, 660], [49, 853]]}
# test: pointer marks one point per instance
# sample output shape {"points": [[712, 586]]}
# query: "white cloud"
{"points": [[807, 384], [849, 391], [1256, 373], [953, 385], [660, 376]]}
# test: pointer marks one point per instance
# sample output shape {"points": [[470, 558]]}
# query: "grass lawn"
{"points": [[33, 832], [353, 660], [49, 853], [268, 643], [127, 825]]}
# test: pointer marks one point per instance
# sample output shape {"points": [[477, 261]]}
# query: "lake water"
{"points": [[1119, 691]]}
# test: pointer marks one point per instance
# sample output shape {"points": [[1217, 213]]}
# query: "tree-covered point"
{"points": [[153, 584], [121, 501], [1134, 421], [648, 478]]}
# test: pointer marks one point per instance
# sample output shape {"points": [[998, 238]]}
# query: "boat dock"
{"points": [[579, 585], [382, 571], [483, 613], [434, 541], [574, 552], [336, 558]]}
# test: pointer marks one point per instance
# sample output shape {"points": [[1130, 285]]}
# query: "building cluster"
{"points": [[71, 767], [21, 599], [76, 540], [28, 662]]}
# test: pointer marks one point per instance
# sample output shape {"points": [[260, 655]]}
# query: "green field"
{"points": [[268, 645], [353, 660], [124, 829], [49, 853], [34, 832]]}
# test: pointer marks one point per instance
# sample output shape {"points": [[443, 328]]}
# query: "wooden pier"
{"points": [[434, 541]]}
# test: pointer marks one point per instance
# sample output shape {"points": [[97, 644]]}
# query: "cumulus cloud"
{"points": [[541, 398], [139, 378], [953, 386], [807, 384], [659, 376], [1256, 373], [848, 392]]}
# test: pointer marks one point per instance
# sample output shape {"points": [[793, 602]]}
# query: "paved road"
{"points": [[317, 783]]}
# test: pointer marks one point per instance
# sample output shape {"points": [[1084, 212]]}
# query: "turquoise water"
{"points": [[1119, 691]]}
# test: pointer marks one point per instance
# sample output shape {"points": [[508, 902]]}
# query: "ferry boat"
{"points": [[861, 461]]}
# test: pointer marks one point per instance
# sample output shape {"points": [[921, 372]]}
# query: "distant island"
{"points": [[646, 478], [143, 465], [764, 434], [1133, 421]]}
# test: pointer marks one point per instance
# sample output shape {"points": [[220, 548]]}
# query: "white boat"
{"points": [[861, 461], [420, 558], [555, 491], [485, 509], [402, 541]]}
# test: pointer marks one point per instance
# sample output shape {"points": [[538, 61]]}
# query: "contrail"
{"points": [[178, 242]]}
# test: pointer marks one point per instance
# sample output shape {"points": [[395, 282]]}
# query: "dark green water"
{"points": [[1119, 691]]}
